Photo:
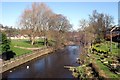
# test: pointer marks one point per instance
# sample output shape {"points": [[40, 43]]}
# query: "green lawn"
{"points": [[0, 49], [106, 70], [19, 51], [23, 43], [104, 67], [106, 47], [26, 43]]}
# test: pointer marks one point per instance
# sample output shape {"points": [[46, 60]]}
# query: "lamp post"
{"points": [[111, 38]]}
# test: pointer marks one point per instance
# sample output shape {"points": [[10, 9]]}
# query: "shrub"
{"points": [[8, 55], [99, 50], [118, 45], [5, 45]]}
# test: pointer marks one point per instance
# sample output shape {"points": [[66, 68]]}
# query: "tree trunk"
{"points": [[45, 41], [30, 39], [33, 40]]}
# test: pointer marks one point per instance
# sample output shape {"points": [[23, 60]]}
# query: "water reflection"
{"points": [[48, 66]]}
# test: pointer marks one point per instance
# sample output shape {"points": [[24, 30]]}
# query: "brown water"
{"points": [[47, 66]]}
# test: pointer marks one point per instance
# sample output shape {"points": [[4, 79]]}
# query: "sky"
{"points": [[74, 11]]}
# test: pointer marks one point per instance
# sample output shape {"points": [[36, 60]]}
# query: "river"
{"points": [[47, 66]]}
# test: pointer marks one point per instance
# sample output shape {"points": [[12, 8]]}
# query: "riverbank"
{"points": [[9, 64], [47, 66], [99, 62], [25, 57]]}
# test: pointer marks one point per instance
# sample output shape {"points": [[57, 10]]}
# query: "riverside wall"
{"points": [[14, 62]]}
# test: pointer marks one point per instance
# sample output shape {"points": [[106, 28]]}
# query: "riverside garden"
{"points": [[99, 63]]}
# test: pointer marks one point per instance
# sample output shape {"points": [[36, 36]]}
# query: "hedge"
{"points": [[99, 50]]}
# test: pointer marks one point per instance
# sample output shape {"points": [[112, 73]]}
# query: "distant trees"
{"points": [[1, 26], [59, 26], [83, 32], [96, 26], [100, 22], [9, 30], [39, 20]]}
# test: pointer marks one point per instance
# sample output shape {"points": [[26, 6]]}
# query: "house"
{"points": [[115, 35]]}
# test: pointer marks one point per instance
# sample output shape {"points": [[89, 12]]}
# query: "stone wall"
{"points": [[14, 62]]}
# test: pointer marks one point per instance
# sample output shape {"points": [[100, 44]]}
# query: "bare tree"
{"points": [[83, 24], [58, 26], [40, 19], [100, 22], [83, 33], [96, 28], [35, 19]]}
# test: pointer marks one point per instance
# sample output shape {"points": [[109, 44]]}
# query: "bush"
{"points": [[118, 69], [99, 50], [97, 40], [8, 55], [118, 45]]}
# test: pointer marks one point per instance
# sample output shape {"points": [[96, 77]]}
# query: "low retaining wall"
{"points": [[98, 71], [9, 64]]}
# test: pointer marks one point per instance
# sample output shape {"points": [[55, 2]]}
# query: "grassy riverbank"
{"points": [[39, 43], [107, 61], [104, 65], [100, 62], [10, 64], [26, 44], [105, 46], [20, 51]]}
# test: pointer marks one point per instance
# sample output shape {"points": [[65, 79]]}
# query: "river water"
{"points": [[47, 66]]}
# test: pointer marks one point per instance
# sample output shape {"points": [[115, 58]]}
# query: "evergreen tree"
{"points": [[5, 44]]}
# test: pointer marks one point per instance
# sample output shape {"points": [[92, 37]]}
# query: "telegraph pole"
{"points": [[111, 38]]}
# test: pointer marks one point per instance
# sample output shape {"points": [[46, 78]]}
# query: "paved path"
{"points": [[28, 48]]}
